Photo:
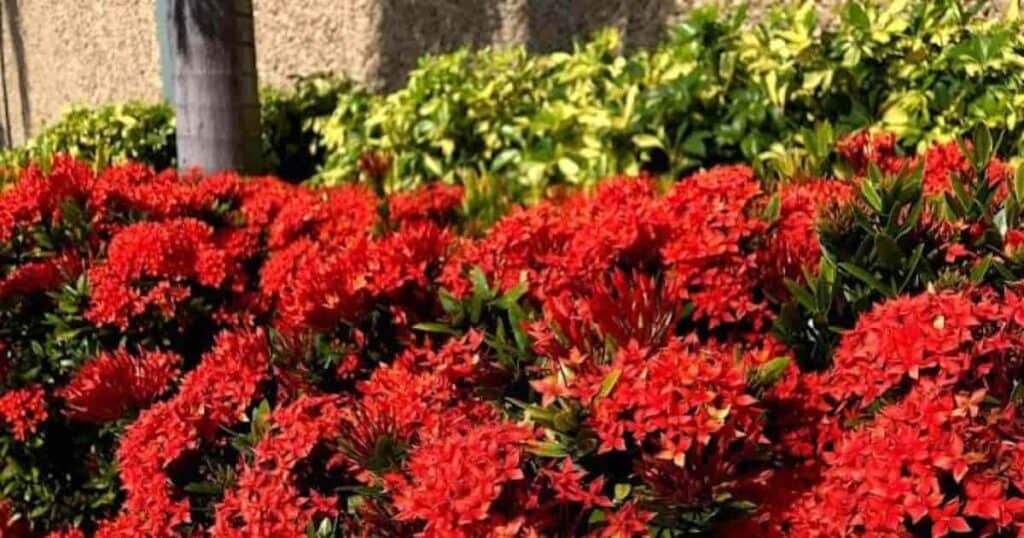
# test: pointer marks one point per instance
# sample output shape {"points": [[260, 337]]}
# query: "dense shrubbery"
{"points": [[826, 343], [775, 92], [136, 131], [144, 132], [186, 355]]}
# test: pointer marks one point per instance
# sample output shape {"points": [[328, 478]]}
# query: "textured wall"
{"points": [[58, 52], [63, 52]]}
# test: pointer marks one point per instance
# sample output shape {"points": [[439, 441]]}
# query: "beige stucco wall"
{"points": [[58, 52], [63, 52]]}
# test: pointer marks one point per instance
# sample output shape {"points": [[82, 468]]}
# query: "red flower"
{"points": [[626, 522], [451, 483], [111, 384], [710, 252], [436, 202], [172, 253], [40, 276], [567, 483], [22, 410], [211, 397], [266, 500]]}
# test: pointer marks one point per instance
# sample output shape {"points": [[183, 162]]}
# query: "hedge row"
{"points": [[223, 356], [777, 92], [144, 133]]}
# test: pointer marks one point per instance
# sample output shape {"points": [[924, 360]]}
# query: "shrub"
{"points": [[185, 354], [777, 92], [937, 220], [135, 131], [292, 148], [144, 133]]}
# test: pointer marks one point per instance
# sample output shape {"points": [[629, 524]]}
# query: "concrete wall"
{"points": [[63, 52]]}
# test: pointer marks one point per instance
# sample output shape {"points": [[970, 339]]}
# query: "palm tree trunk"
{"points": [[215, 85]]}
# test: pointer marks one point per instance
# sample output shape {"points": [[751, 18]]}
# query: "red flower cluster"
{"points": [[705, 236], [167, 256], [793, 246], [939, 162], [113, 383], [211, 397], [266, 500], [269, 358], [451, 492], [39, 276], [916, 429], [23, 410]]}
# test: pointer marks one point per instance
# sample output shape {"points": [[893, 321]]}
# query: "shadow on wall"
{"points": [[12, 27], [407, 29], [556, 24]]}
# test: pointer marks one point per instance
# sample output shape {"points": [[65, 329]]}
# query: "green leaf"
{"points": [[694, 146], [870, 195], [432, 165], [983, 147], [802, 296], [1018, 183], [261, 419], [647, 141], [203, 488], [867, 278], [771, 372], [512, 296], [1017, 395], [774, 208], [480, 286], [980, 270], [568, 167], [622, 491], [858, 16], [504, 158], [432, 327], [450, 304], [915, 260], [609, 382], [888, 251], [547, 449]]}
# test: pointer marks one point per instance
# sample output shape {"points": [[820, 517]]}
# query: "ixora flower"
{"points": [[23, 410], [211, 397], [238, 357], [171, 254], [113, 383], [453, 483], [266, 500]]}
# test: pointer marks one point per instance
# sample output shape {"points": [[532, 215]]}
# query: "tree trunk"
{"points": [[215, 86]]}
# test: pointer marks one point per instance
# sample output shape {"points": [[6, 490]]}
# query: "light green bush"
{"points": [[144, 132], [719, 89]]}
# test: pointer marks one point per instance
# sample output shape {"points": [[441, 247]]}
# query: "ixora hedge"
{"points": [[189, 355]]}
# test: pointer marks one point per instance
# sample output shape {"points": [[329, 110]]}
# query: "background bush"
{"points": [[719, 89], [776, 92], [144, 132]]}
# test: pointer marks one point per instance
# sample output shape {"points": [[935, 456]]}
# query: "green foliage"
{"points": [[291, 147], [501, 315], [777, 92], [894, 239], [503, 114], [144, 132], [132, 131], [873, 248]]}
